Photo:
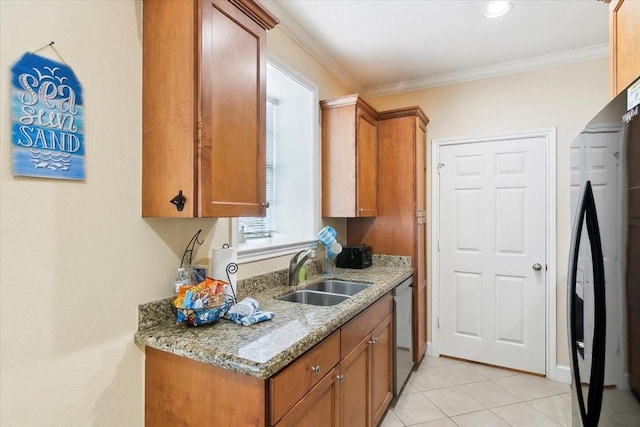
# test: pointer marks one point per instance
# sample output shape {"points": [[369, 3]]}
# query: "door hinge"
{"points": [[438, 245], [438, 319]]}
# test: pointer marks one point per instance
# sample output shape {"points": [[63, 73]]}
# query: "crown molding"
{"points": [[529, 64], [298, 34]]}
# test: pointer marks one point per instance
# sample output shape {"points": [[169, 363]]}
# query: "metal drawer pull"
{"points": [[315, 369], [340, 378]]}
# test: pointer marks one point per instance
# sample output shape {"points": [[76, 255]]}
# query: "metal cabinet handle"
{"points": [[373, 340], [315, 369], [537, 266], [340, 378], [265, 205]]}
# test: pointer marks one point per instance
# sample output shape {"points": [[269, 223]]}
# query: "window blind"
{"points": [[256, 227]]}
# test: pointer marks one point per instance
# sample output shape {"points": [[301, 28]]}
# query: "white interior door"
{"points": [[492, 252]]}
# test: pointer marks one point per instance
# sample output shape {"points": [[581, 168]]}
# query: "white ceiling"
{"points": [[386, 46]]}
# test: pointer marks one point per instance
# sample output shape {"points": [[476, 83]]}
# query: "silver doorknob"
{"points": [[537, 266]]}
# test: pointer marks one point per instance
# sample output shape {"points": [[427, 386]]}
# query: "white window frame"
{"points": [[261, 249]]}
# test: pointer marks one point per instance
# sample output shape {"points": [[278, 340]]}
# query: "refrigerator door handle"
{"points": [[587, 211]]}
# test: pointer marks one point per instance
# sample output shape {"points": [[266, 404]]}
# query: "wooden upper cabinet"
{"points": [[367, 165], [624, 43], [349, 158], [204, 106]]}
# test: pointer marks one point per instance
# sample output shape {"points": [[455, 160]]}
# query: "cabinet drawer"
{"points": [[360, 326], [288, 386]]}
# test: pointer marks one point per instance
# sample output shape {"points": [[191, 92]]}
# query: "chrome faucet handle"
{"points": [[296, 263]]}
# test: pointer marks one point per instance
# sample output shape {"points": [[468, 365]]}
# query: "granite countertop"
{"points": [[263, 349]]}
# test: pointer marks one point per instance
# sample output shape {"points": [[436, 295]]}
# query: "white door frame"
{"points": [[549, 136]]}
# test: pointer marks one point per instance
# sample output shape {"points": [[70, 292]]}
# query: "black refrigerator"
{"points": [[603, 280]]}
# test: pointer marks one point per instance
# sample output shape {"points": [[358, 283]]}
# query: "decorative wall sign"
{"points": [[47, 119]]}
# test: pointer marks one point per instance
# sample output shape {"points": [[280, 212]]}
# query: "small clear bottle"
{"points": [[182, 279]]}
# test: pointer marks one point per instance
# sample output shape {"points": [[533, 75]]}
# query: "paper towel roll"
{"points": [[220, 259]]}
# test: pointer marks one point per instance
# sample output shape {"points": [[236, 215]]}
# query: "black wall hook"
{"points": [[179, 201]]}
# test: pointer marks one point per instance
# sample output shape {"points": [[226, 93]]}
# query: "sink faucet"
{"points": [[297, 261]]}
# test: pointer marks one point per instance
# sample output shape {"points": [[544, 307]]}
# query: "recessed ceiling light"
{"points": [[497, 8]]}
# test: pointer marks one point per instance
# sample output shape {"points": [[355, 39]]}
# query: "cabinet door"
{"points": [[231, 163], [367, 166], [421, 168], [355, 380], [292, 383], [420, 295], [182, 392], [169, 136], [420, 253], [624, 43], [381, 368], [318, 408]]}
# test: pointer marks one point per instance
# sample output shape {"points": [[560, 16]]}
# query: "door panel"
{"points": [[382, 369], [596, 157], [492, 232], [355, 387], [367, 191], [233, 98], [318, 408]]}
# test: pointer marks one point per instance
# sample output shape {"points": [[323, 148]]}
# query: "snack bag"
{"points": [[201, 304]]}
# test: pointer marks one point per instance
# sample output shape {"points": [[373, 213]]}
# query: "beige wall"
{"points": [[76, 257], [565, 97]]}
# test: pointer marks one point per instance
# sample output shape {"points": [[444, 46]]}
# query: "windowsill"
{"points": [[261, 249]]}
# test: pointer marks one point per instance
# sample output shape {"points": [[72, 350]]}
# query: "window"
{"points": [[261, 227], [292, 157]]}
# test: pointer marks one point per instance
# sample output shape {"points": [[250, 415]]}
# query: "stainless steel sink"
{"points": [[314, 297], [338, 287]]}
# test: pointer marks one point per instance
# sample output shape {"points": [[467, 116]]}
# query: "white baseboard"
{"points": [[563, 374], [624, 384], [430, 351]]}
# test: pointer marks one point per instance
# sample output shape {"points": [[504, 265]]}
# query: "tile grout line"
{"points": [[433, 369]]}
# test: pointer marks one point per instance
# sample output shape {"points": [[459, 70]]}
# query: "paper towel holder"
{"points": [[232, 268]]}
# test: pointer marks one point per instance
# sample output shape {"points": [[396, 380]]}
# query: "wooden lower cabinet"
{"points": [[318, 408], [355, 383], [364, 376], [183, 392], [345, 380], [381, 369]]}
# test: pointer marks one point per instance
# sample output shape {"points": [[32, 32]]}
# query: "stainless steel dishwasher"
{"points": [[403, 340]]}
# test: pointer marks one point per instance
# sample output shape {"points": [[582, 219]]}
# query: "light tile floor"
{"points": [[446, 392]]}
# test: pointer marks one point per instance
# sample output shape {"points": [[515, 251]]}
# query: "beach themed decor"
{"points": [[47, 119]]}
